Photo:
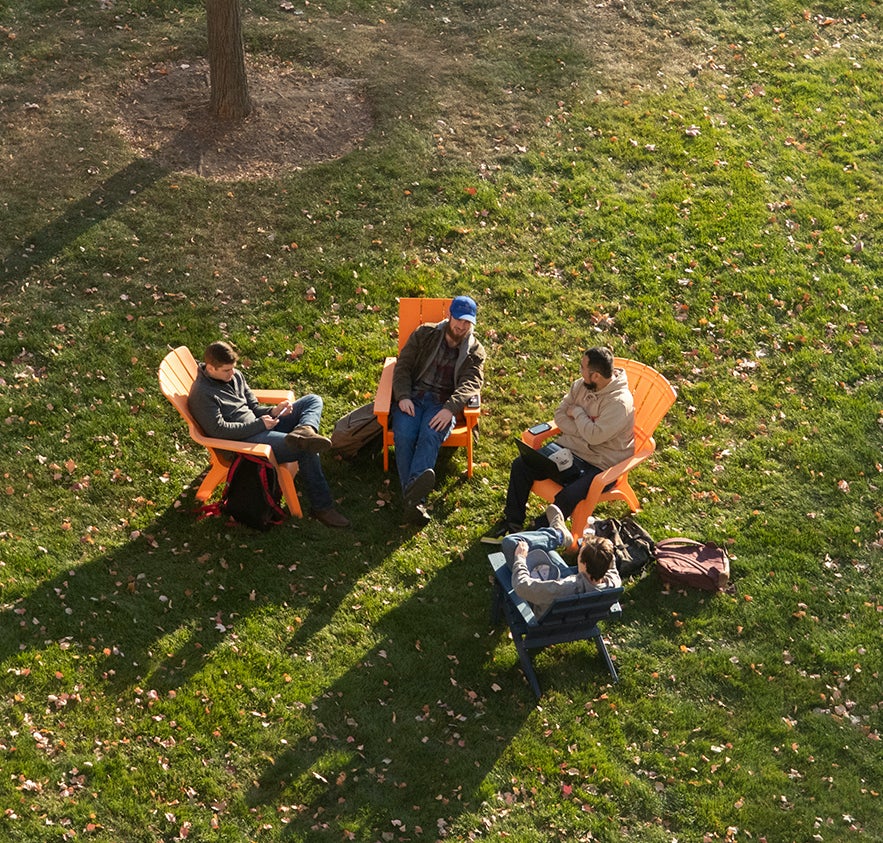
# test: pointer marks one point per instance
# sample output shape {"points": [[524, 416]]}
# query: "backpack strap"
{"points": [[265, 468], [678, 541], [230, 472]]}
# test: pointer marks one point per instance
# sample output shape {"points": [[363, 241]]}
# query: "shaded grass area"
{"points": [[696, 185]]}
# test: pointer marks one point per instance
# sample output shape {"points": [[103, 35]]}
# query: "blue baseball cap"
{"points": [[464, 307]]}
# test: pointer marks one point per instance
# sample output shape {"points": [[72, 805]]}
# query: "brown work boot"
{"points": [[304, 438], [331, 517]]}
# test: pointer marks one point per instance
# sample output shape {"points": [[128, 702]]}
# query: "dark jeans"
{"points": [[522, 477], [306, 410], [417, 444]]}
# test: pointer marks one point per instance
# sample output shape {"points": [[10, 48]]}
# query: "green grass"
{"points": [[166, 678]]}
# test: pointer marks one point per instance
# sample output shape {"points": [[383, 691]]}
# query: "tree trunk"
{"points": [[226, 60]]}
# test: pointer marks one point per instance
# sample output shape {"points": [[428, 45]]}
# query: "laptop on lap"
{"points": [[542, 463]]}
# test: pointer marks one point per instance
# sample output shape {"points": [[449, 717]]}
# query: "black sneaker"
{"points": [[419, 488], [418, 515], [499, 531]]}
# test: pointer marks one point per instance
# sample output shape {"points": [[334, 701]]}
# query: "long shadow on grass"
{"points": [[407, 735], [102, 203], [418, 720], [105, 201], [190, 582]]}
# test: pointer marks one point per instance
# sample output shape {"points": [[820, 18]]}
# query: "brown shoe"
{"points": [[330, 517], [304, 438]]}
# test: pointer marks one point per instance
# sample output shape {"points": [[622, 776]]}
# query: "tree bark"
{"points": [[226, 58]]}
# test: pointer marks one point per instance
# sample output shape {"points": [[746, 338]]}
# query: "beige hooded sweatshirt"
{"points": [[601, 429]]}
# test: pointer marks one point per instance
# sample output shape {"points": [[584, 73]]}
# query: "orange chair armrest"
{"points": [[236, 447], [535, 440], [383, 398], [607, 476], [273, 396]]}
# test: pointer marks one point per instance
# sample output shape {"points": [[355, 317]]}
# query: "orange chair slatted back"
{"points": [[416, 312]]}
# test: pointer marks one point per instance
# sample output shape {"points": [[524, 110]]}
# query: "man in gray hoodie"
{"points": [[225, 407], [597, 423]]}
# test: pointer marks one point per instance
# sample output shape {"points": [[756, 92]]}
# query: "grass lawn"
{"points": [[698, 185]]}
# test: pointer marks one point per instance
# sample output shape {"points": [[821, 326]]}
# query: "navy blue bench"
{"points": [[572, 618]]}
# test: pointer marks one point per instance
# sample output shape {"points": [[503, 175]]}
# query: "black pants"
{"points": [[522, 477]]}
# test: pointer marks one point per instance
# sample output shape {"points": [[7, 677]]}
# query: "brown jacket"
{"points": [[417, 355]]}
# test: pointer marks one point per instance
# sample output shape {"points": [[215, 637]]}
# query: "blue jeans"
{"points": [[547, 539], [306, 410], [417, 444], [522, 477]]}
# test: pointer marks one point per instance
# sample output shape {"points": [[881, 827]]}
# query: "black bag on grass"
{"points": [[252, 494], [632, 543]]}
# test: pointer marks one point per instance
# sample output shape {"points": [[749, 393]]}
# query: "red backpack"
{"points": [[683, 561]]}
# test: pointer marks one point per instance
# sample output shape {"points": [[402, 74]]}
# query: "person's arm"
{"points": [[537, 592], [251, 401], [208, 408], [563, 416], [611, 420], [469, 381], [573, 420], [611, 578]]}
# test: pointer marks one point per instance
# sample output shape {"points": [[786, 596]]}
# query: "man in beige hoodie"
{"points": [[597, 422]]}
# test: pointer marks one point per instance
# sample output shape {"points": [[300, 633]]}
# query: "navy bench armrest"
{"points": [[503, 573]]}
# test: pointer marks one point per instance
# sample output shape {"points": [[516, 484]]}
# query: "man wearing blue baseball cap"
{"points": [[438, 371]]}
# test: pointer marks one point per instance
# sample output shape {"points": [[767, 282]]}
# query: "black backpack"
{"points": [[632, 543], [252, 494], [354, 431]]}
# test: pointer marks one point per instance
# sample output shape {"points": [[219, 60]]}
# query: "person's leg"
{"points": [[313, 478], [405, 430], [307, 410], [521, 478], [416, 443], [429, 441], [302, 423], [547, 539], [567, 499]]}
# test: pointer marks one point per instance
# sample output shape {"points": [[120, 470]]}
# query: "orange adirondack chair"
{"points": [[653, 396], [413, 313], [176, 375]]}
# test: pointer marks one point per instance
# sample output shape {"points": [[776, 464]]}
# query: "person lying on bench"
{"points": [[541, 578]]}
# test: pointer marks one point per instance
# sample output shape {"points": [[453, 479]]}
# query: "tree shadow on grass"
{"points": [[113, 194], [420, 719], [424, 710], [79, 217]]}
